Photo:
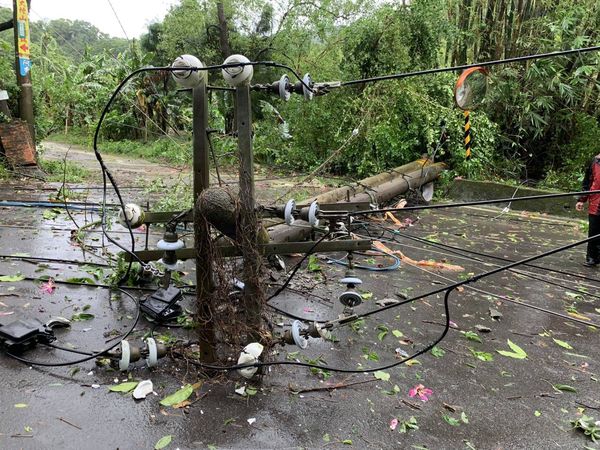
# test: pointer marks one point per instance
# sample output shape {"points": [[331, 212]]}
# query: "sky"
{"points": [[135, 15]]}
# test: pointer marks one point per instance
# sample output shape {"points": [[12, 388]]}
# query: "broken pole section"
{"points": [[247, 234], [380, 193], [204, 269]]}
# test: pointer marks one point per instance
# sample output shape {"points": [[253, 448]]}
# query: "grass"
{"points": [[56, 171], [4, 172]]}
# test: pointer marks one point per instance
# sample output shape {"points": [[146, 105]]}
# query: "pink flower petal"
{"points": [[412, 392], [48, 287], [393, 424]]}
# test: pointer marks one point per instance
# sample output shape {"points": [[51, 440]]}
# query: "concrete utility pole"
{"points": [[204, 269], [23, 63], [247, 235]]}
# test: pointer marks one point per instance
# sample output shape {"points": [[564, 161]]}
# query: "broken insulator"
{"points": [[131, 216]]}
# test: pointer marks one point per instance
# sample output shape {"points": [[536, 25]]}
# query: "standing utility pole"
{"points": [[23, 63], [247, 234], [204, 269]]}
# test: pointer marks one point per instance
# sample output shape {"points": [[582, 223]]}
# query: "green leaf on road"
{"points": [[563, 344], [451, 420], [437, 352], [163, 442], [564, 388], [471, 336], [81, 317], [179, 396], [517, 352], [380, 375], [483, 356], [124, 387], [11, 278]]}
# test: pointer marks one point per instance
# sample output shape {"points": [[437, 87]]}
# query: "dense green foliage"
{"points": [[539, 120]]}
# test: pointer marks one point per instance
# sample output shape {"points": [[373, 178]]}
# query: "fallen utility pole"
{"points": [[342, 193], [380, 193]]}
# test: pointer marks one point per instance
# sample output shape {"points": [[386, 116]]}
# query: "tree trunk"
{"points": [[223, 31]]}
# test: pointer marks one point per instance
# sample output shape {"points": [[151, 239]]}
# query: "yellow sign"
{"points": [[23, 34]]}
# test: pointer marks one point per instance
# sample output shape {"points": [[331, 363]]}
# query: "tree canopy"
{"points": [[539, 119]]}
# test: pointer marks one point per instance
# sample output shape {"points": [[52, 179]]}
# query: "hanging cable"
{"points": [[89, 356], [473, 203], [398, 76]]}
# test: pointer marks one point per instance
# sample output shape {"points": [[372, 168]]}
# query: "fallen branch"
{"points": [[410, 405], [587, 406], [62, 419], [330, 387]]}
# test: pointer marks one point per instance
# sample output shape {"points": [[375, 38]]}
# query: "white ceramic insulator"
{"points": [[351, 280], [125, 356], [131, 216], [255, 349], [164, 245], [284, 94], [427, 191], [188, 78], [313, 210], [152, 359], [299, 340], [237, 75], [308, 95], [288, 212]]}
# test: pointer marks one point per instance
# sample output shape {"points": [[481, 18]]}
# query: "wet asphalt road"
{"points": [[508, 403]]}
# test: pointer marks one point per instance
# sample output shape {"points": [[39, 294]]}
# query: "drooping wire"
{"points": [[90, 355], [398, 76], [107, 174], [473, 203], [392, 266]]}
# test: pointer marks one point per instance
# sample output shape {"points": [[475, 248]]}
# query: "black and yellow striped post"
{"points": [[468, 141]]}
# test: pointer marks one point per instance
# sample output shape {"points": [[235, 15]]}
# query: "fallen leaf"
{"points": [[517, 352], [81, 317], [124, 387], [451, 420], [564, 388], [163, 442], [11, 278], [179, 396], [380, 375], [563, 344]]}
